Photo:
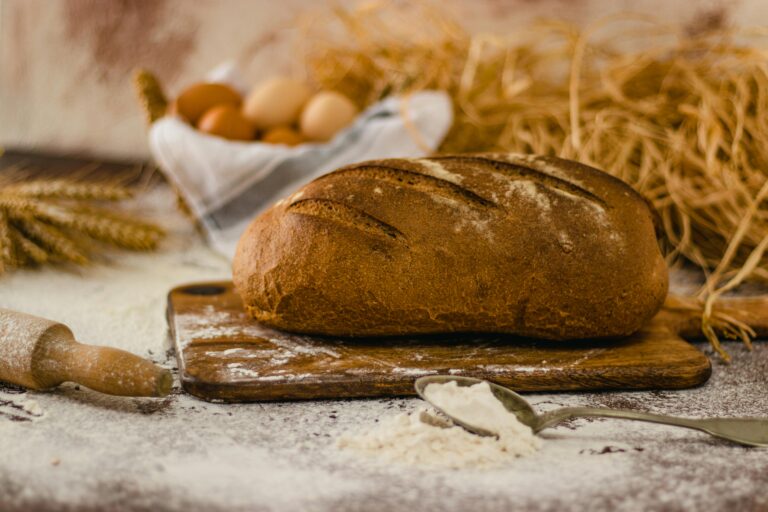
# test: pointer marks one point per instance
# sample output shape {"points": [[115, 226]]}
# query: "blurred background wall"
{"points": [[65, 65]]}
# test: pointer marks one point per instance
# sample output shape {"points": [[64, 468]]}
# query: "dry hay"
{"points": [[681, 117]]}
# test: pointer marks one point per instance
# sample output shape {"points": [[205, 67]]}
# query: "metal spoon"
{"points": [[746, 431]]}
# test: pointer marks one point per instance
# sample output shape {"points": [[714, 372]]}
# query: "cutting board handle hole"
{"points": [[203, 290]]}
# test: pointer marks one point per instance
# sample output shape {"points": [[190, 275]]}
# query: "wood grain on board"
{"points": [[224, 355]]}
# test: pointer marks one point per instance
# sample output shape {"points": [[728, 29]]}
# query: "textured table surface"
{"points": [[73, 449]]}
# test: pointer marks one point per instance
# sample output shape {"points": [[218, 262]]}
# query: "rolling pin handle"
{"points": [[107, 370]]}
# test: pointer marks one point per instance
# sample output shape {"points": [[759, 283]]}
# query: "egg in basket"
{"points": [[230, 154]]}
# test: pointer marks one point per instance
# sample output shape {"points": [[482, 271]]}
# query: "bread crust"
{"points": [[521, 244]]}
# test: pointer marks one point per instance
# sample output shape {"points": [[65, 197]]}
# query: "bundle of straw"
{"points": [[684, 119], [59, 220]]}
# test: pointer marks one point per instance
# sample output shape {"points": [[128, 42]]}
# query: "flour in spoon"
{"points": [[425, 439]]}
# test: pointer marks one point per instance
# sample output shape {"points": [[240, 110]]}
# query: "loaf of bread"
{"points": [[533, 246]]}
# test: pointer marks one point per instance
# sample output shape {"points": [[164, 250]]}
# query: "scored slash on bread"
{"points": [[346, 215], [515, 169], [533, 246]]}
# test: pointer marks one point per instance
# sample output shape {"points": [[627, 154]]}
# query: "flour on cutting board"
{"points": [[237, 369], [213, 324], [234, 352], [412, 372]]}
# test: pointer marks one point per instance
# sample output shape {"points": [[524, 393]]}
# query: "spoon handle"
{"points": [[747, 431]]}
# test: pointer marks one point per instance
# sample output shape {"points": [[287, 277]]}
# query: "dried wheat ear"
{"points": [[63, 220]]}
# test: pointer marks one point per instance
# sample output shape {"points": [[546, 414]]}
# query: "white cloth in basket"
{"points": [[226, 183]]}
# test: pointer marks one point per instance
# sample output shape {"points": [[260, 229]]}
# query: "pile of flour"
{"points": [[424, 439]]}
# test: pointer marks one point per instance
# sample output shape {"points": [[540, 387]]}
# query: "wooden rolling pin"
{"points": [[40, 354]]}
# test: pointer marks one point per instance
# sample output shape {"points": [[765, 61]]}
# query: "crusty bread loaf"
{"points": [[533, 246]]}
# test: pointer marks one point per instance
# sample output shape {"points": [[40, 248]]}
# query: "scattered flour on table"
{"points": [[32, 407], [423, 439], [183, 454]]}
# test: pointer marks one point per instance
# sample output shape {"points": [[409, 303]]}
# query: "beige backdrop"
{"points": [[65, 65]]}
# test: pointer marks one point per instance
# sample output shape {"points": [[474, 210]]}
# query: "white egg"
{"points": [[325, 114], [275, 102]]}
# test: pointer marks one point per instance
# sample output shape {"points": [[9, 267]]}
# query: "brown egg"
{"points": [[283, 135], [325, 114], [226, 121], [275, 102], [197, 99]]}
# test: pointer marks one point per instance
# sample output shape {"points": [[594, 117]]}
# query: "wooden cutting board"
{"points": [[224, 355]]}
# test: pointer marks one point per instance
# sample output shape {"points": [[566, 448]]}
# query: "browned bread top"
{"points": [[522, 244]]}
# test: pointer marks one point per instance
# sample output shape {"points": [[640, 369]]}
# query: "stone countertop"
{"points": [[73, 449]]}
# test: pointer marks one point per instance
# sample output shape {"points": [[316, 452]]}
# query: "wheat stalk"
{"points": [[66, 189], [55, 241], [26, 251], [101, 226], [6, 245], [48, 220], [150, 95]]}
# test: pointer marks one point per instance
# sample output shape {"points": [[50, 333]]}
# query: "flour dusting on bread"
{"points": [[529, 190], [533, 246], [437, 170], [541, 164]]}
